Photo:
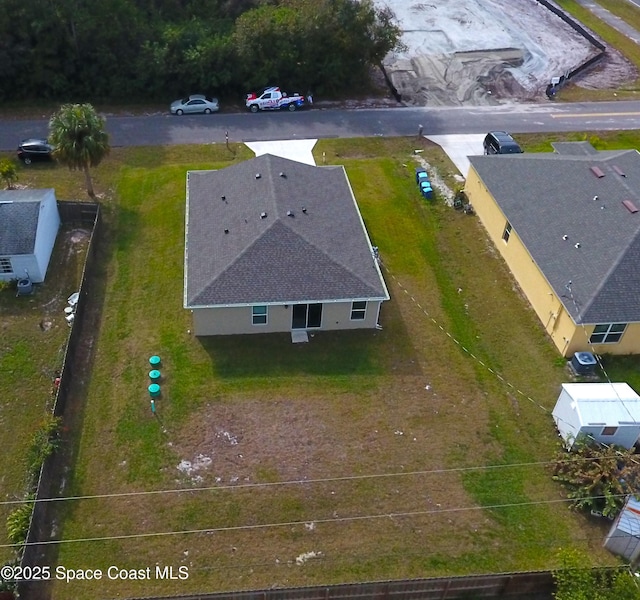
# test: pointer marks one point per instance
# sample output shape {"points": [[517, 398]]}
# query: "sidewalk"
{"points": [[611, 19]]}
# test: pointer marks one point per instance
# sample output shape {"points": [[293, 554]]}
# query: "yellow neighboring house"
{"points": [[567, 223]]}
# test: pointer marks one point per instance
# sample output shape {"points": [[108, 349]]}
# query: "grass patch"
{"points": [[600, 140], [34, 335], [611, 37], [310, 422]]}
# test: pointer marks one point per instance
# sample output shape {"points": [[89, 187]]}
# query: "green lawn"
{"points": [[354, 424], [32, 342], [612, 38]]}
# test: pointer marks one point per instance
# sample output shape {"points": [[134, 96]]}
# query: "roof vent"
{"points": [[598, 172], [304, 210], [618, 170], [226, 231], [283, 175], [630, 206], [290, 213], [258, 175], [223, 198], [565, 237], [263, 215], [577, 245], [595, 198]]}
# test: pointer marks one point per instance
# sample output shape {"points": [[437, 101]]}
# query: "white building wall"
{"points": [[35, 265], [567, 419], [570, 424], [21, 265], [48, 226]]}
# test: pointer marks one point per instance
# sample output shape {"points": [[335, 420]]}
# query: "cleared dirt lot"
{"points": [[483, 52]]}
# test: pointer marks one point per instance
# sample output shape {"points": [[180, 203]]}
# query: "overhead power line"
{"points": [[345, 478], [409, 514]]}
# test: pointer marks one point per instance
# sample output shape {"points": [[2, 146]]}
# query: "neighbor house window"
{"points": [[609, 430], [5, 265], [259, 315], [507, 232], [607, 334], [358, 310]]}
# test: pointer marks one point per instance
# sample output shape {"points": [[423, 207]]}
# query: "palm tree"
{"points": [[77, 134]]}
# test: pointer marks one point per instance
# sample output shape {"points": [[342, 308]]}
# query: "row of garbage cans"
{"points": [[424, 183]]}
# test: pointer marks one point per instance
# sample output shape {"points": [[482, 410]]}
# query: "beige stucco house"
{"points": [[567, 223], [274, 245]]}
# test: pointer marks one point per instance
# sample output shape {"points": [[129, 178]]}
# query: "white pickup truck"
{"points": [[273, 98]]}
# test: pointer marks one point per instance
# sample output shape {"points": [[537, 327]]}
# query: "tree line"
{"points": [[119, 50]]}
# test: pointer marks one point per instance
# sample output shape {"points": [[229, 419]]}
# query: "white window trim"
{"points": [[254, 315], [362, 311], [607, 333]]}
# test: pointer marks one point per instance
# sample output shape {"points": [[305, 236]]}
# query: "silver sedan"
{"points": [[196, 103]]}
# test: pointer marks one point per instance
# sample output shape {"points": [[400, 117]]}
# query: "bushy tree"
{"points": [[576, 580], [187, 58], [324, 45], [79, 139], [119, 49], [8, 172], [598, 477]]}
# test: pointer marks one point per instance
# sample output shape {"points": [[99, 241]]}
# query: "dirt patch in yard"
{"points": [[339, 435]]}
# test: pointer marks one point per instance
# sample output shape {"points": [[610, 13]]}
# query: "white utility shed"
{"points": [[623, 538], [29, 223], [608, 412]]}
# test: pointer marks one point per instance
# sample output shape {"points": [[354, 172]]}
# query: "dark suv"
{"points": [[34, 149], [500, 142]]}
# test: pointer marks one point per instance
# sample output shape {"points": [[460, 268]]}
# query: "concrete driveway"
{"points": [[459, 147], [300, 150]]}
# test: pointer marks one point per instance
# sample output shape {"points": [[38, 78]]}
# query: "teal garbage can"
{"points": [[154, 375], [154, 390], [154, 361]]}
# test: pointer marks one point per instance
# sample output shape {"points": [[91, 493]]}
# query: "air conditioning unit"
{"points": [[584, 363]]}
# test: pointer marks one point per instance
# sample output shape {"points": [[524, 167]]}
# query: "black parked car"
{"points": [[34, 149], [500, 142]]}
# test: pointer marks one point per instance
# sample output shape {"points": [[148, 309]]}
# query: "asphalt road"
{"points": [[322, 123]]}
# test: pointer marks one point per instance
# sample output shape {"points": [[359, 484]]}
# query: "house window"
{"points": [[609, 430], [607, 334], [5, 265], [358, 310], [507, 232], [259, 315]]}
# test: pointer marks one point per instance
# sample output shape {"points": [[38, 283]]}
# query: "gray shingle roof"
{"points": [[19, 210], [548, 196], [321, 252]]}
